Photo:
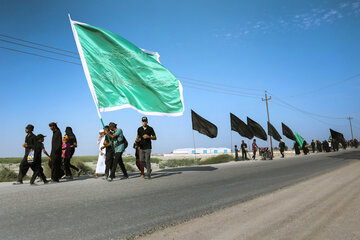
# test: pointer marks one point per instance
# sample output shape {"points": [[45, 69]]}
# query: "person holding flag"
{"points": [[116, 134]]}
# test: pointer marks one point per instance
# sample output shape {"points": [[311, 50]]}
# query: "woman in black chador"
{"points": [[73, 145], [56, 148], [305, 147]]}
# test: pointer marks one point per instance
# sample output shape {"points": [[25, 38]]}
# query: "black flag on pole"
{"points": [[203, 126], [272, 132], [287, 132], [256, 129], [240, 127], [336, 135]]}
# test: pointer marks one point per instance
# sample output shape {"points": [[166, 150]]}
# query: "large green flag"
{"points": [[299, 139], [121, 75]]}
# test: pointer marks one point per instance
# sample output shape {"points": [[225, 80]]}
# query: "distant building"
{"points": [[219, 150]]}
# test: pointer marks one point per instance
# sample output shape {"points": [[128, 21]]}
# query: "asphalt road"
{"points": [[96, 209]]}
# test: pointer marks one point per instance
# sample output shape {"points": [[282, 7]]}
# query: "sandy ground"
{"points": [[323, 208]]}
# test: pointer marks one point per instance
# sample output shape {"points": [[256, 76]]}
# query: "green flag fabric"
{"points": [[121, 75], [299, 140]]}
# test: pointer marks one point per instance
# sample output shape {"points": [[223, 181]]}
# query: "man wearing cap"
{"points": [[29, 145], [56, 150], [145, 134], [36, 164], [117, 136]]}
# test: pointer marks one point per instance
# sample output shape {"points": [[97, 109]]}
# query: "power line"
{"points": [[220, 84], [39, 44], [219, 88], [310, 116], [306, 112], [38, 48], [326, 86], [34, 54], [216, 91]]}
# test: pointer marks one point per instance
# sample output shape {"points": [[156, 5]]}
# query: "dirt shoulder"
{"points": [[324, 207]]}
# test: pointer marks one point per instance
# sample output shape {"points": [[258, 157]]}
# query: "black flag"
{"points": [[203, 126], [336, 135], [272, 132], [240, 127], [287, 132], [256, 129]]}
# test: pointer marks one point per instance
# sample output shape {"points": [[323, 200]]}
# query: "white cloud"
{"points": [[312, 19]]}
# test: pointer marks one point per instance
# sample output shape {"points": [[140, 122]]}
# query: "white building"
{"points": [[219, 150]]}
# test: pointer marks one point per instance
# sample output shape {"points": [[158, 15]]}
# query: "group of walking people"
{"points": [[317, 145], [62, 150], [112, 144]]}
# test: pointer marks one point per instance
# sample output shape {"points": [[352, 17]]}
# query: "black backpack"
{"points": [[126, 144]]}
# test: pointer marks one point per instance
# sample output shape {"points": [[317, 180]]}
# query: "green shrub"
{"points": [[217, 159], [129, 159], [178, 163], [7, 175], [77, 163], [155, 160], [82, 166]]}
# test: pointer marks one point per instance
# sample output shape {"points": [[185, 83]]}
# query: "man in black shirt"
{"points": [[29, 145], [56, 148], [36, 164], [313, 146], [243, 150], [145, 134]]}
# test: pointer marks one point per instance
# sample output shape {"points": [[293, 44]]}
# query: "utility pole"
{"points": [[267, 109], [352, 135]]}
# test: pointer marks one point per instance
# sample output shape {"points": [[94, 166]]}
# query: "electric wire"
{"points": [[39, 55], [219, 88], [216, 91], [39, 44], [354, 77], [219, 84], [38, 48]]}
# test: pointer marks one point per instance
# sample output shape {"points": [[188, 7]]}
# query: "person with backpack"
{"points": [[145, 134], [120, 144]]}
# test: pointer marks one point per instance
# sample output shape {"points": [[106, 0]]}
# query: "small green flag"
{"points": [[121, 75], [299, 140]]}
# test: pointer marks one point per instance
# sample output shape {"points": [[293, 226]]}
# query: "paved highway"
{"points": [[95, 209]]}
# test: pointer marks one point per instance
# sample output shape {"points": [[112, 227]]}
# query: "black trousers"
{"points": [[23, 167], [109, 159], [38, 171], [55, 165], [118, 160], [68, 165], [243, 155], [282, 153]]}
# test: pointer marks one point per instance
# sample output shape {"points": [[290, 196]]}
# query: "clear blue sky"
{"points": [[286, 47]]}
